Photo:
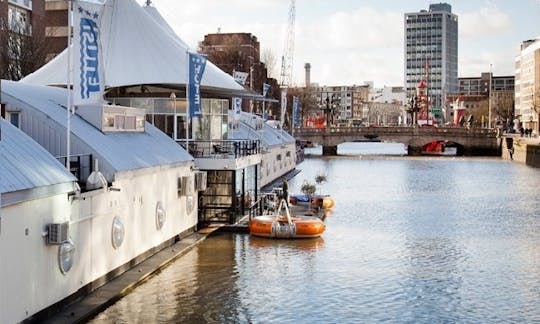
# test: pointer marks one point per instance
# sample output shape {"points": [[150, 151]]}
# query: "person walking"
{"points": [[285, 191]]}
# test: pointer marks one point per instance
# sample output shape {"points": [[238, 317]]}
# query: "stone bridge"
{"points": [[471, 141]]}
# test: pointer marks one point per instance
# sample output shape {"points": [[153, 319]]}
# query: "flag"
{"points": [[296, 111], [237, 105], [266, 87], [283, 105], [240, 77], [88, 83], [196, 65]]}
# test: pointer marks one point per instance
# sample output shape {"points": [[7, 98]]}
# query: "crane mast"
{"points": [[288, 49]]}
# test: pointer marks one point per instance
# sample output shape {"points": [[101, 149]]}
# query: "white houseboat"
{"points": [[136, 195], [36, 193]]}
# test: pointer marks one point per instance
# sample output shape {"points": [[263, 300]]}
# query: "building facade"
{"points": [[481, 85], [497, 92], [527, 98], [240, 52], [56, 26], [431, 54]]}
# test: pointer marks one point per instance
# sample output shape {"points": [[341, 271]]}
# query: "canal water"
{"points": [[410, 240]]}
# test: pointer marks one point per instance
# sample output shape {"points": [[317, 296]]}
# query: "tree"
{"points": [[305, 98], [21, 54], [269, 59]]}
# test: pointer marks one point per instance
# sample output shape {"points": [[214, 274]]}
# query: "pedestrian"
{"points": [[285, 191]]}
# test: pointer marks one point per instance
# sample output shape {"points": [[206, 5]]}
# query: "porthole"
{"points": [[190, 204], [118, 232], [66, 252], [161, 215]]}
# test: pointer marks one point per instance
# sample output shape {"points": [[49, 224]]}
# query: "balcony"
{"points": [[222, 149]]}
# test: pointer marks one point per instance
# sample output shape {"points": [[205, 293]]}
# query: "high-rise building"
{"points": [[431, 55], [527, 109]]}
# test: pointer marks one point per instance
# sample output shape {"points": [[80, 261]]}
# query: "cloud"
{"points": [[351, 47], [488, 21]]}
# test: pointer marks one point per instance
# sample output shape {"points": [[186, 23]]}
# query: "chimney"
{"points": [[307, 66]]}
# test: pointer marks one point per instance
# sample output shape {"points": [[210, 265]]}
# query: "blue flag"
{"points": [[296, 112], [196, 63], [266, 87]]}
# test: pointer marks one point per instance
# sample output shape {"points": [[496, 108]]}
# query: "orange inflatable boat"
{"points": [[321, 201], [283, 225]]}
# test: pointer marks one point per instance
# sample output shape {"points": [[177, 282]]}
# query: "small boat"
{"points": [[321, 201], [440, 147], [282, 225]]}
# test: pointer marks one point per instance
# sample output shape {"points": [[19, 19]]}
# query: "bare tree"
{"points": [[21, 54], [269, 59]]}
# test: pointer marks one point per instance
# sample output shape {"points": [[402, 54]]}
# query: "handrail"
{"points": [[223, 149]]}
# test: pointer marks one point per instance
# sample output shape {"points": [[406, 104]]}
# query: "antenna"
{"points": [[288, 49]]}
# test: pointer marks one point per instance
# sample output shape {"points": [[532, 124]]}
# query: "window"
{"points": [[14, 117]]}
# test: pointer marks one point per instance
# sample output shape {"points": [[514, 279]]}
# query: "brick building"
{"points": [[240, 52], [56, 26]]}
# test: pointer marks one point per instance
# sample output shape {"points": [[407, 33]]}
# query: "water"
{"points": [[410, 240]]}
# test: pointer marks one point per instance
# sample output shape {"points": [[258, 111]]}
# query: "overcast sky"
{"points": [[351, 41]]}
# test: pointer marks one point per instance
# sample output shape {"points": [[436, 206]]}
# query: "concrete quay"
{"points": [[524, 150]]}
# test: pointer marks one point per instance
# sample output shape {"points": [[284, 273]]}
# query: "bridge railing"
{"points": [[389, 130]]}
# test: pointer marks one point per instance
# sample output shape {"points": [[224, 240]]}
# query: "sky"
{"points": [[348, 42]]}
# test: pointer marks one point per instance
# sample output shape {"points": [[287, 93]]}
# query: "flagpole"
{"points": [[187, 102], [68, 85]]}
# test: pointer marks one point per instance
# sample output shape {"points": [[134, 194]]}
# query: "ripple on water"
{"points": [[409, 241]]}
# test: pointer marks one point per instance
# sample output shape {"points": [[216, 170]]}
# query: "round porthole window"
{"points": [[161, 215], [118, 232], [190, 203], [65, 256]]}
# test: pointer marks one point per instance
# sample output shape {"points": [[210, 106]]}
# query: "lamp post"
{"points": [[328, 110], [489, 99]]}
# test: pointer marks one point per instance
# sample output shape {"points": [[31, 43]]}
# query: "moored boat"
{"points": [[440, 147], [321, 201], [282, 225]]}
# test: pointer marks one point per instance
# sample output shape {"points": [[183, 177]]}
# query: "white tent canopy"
{"points": [[137, 48]]}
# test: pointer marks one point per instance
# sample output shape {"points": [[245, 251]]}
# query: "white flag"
{"points": [[88, 82], [283, 105], [240, 77]]}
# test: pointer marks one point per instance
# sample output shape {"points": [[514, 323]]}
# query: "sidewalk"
{"points": [[89, 306]]}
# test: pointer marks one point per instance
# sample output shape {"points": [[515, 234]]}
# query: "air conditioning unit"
{"points": [[185, 186], [200, 180], [57, 233]]}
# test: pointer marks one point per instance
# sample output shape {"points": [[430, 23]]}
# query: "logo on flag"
{"points": [[196, 63], [266, 87], [88, 82], [283, 105], [240, 77]]}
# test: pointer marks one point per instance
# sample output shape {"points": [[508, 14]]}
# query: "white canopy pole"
{"points": [[68, 85]]}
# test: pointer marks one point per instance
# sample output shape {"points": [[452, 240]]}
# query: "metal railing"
{"points": [[222, 149]]}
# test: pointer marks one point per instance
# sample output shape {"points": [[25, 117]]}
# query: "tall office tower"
{"points": [[431, 55], [527, 101]]}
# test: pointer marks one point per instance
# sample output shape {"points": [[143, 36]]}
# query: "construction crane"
{"points": [[288, 50]]}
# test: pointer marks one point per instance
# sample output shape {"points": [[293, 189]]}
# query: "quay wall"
{"points": [[522, 150]]}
